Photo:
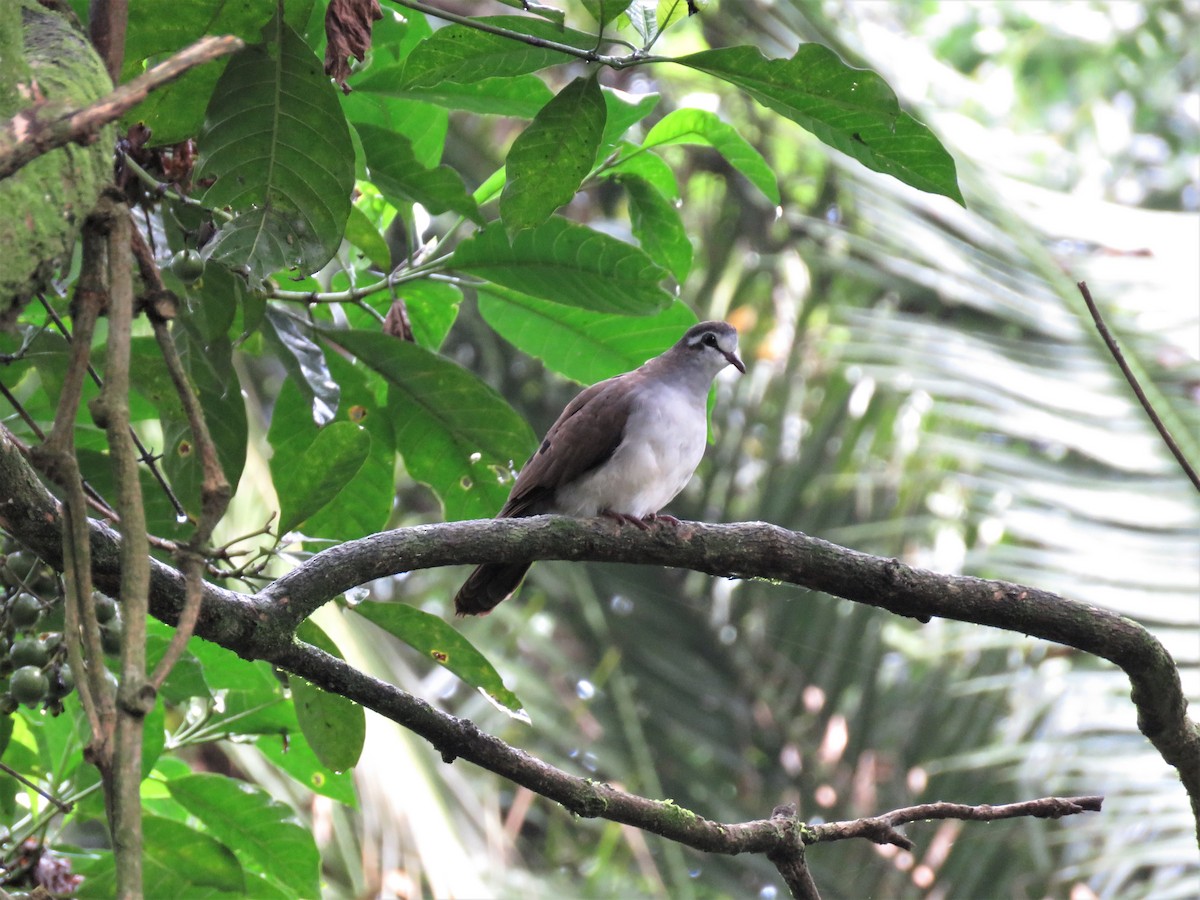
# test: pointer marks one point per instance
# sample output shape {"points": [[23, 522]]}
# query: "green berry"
{"points": [[24, 611], [62, 682], [29, 652], [106, 607], [29, 685], [110, 636], [187, 266], [19, 568]]}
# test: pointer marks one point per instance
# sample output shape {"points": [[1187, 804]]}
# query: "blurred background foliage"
{"points": [[924, 383]]}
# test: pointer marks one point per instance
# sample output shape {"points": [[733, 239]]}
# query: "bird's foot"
{"points": [[625, 519], [663, 517]]}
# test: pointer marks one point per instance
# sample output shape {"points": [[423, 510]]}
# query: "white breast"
{"points": [[664, 441]]}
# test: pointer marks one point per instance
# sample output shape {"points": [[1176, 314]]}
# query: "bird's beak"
{"points": [[736, 362]]}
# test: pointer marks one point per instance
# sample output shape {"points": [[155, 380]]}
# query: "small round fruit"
{"points": [[106, 607], [8, 704], [24, 611], [187, 266], [110, 636], [29, 685], [62, 682], [29, 652], [19, 567]]}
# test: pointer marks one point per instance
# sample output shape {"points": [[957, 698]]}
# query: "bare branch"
{"points": [[882, 829]]}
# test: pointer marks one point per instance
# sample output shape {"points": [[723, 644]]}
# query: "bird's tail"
{"points": [[488, 586]]}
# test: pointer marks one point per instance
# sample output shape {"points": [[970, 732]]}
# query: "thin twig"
{"points": [[46, 126], [64, 808], [1115, 350], [882, 828]]}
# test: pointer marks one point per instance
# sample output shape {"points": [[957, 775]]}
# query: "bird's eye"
{"points": [[710, 340]]}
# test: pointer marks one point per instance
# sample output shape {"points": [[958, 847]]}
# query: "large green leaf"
{"points": [[582, 345], [334, 726], [549, 160], [258, 828], [177, 861], [519, 95], [307, 478], [395, 170], [364, 502], [430, 635], [658, 226], [566, 263], [423, 124], [462, 53], [455, 433], [277, 143], [699, 126], [850, 109]]}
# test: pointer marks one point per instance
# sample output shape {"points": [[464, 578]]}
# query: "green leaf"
{"points": [[462, 53], [253, 701], [622, 114], [306, 483], [567, 263], [209, 364], [699, 126], [455, 433], [362, 233], [395, 171], [582, 345], [852, 110], [177, 861], [424, 125], [549, 159], [292, 755], [260, 830], [276, 142], [431, 636], [305, 363], [658, 226], [648, 166], [364, 503], [520, 96], [334, 726], [432, 309], [604, 11], [642, 15]]}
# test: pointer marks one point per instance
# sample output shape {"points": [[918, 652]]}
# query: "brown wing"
{"points": [[586, 434]]}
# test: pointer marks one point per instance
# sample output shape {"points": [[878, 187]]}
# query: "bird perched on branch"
{"points": [[623, 448]]}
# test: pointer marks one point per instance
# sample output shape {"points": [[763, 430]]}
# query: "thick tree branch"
{"points": [[262, 626], [45, 126]]}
